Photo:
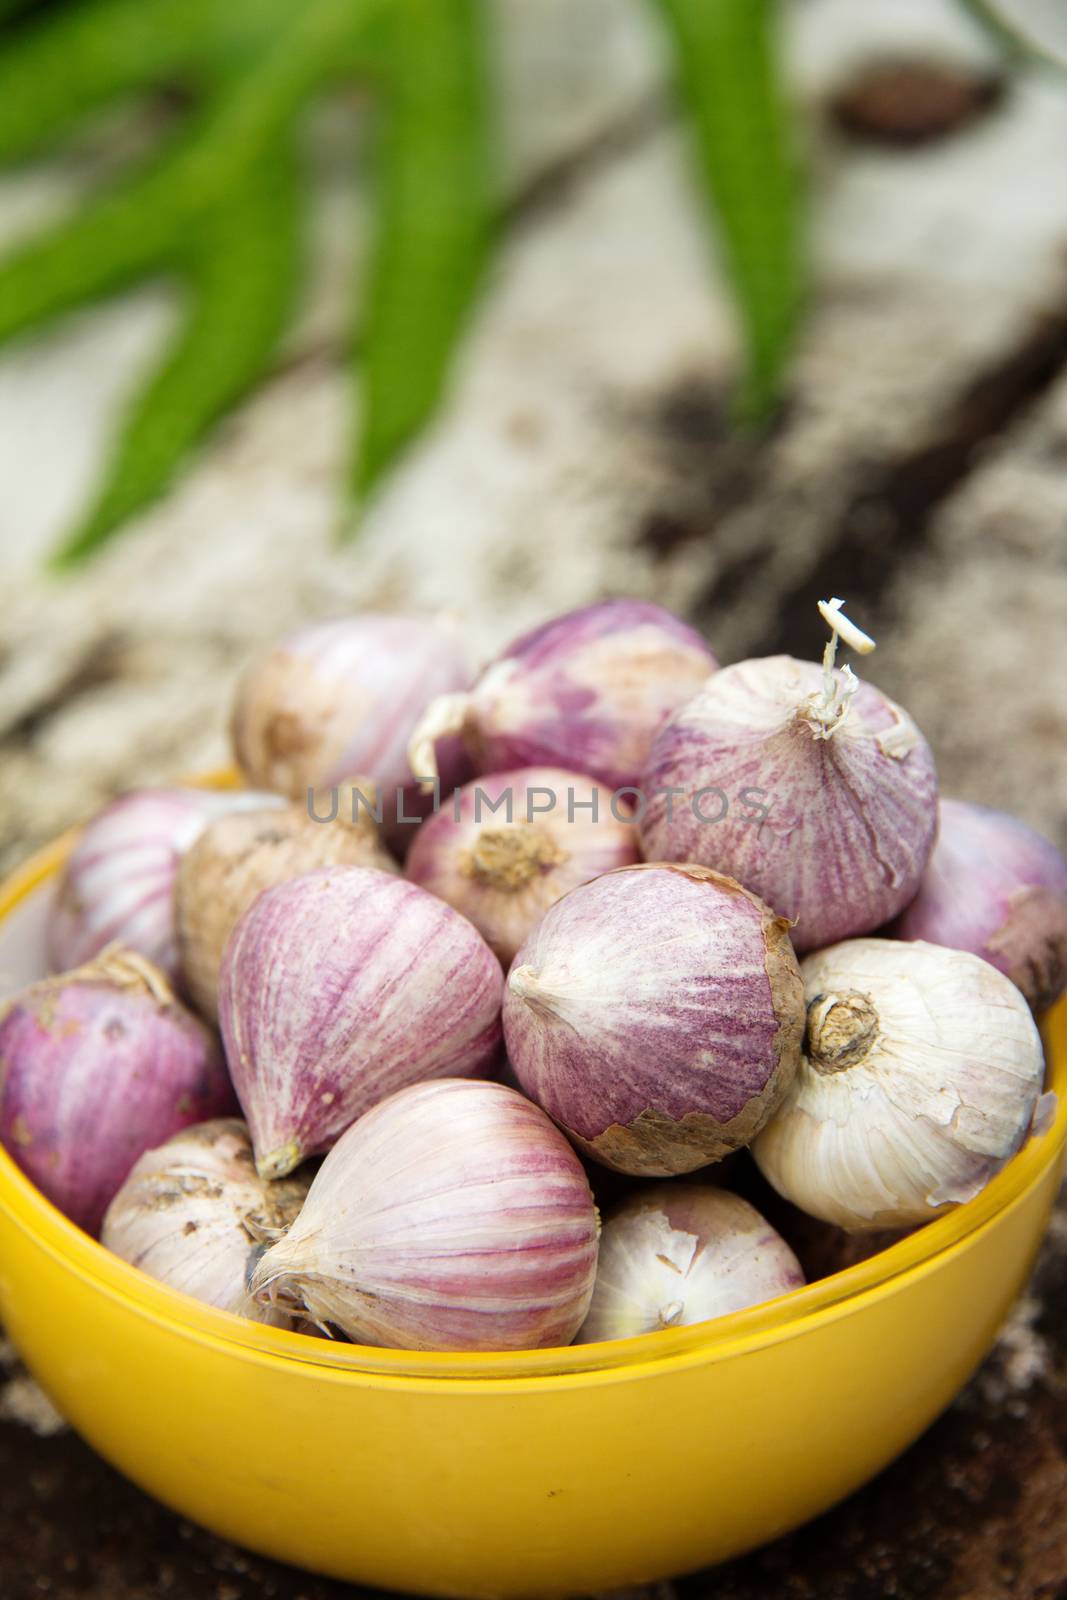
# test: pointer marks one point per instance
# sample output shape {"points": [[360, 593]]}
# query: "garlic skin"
{"points": [[338, 988], [339, 698], [100, 1065], [585, 692], [194, 1214], [656, 1014], [999, 889], [118, 885], [920, 1078], [504, 875], [453, 1216], [236, 858], [824, 805], [680, 1253]]}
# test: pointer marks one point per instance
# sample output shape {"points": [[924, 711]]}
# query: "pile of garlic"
{"points": [[476, 956]]}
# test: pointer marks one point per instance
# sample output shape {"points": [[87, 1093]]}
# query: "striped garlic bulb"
{"points": [[338, 988], [656, 1014], [118, 886], [586, 691], [453, 1216], [811, 788], [236, 858]]}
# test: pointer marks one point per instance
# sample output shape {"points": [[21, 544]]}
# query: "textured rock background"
{"points": [[919, 468]]}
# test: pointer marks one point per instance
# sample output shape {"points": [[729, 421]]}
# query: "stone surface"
{"points": [[918, 468]]}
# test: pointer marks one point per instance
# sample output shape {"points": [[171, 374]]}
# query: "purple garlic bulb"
{"points": [[340, 987], [100, 1065], [118, 886], [586, 691], [337, 701], [656, 1014], [547, 831], [453, 1216], [813, 789], [998, 889]]}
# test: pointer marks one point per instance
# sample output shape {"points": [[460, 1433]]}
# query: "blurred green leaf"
{"points": [[167, 214], [243, 288], [204, 208], [726, 62], [67, 63], [435, 194], [217, 207], [12, 8]]}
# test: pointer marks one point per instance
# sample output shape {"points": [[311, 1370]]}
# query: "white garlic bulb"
{"points": [[194, 1214], [679, 1253], [920, 1077]]}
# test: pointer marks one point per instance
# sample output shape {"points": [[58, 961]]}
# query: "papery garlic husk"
{"points": [[999, 889], [586, 692], [453, 1216], [920, 1079], [826, 807], [340, 987], [656, 1014], [338, 698], [194, 1214], [98, 1066], [238, 856], [118, 885], [508, 845], [679, 1253]]}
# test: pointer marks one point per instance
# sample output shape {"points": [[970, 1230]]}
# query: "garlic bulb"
{"points": [[451, 1217], [338, 988], [118, 886], [509, 845], [679, 1253], [236, 858], [100, 1065], [586, 692], [339, 698], [995, 887], [920, 1079], [813, 789], [656, 1014], [194, 1214]]}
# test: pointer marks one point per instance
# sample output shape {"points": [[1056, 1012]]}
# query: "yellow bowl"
{"points": [[547, 1473]]}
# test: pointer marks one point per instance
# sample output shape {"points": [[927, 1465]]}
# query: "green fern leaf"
{"points": [[242, 296], [435, 198], [726, 65]]}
